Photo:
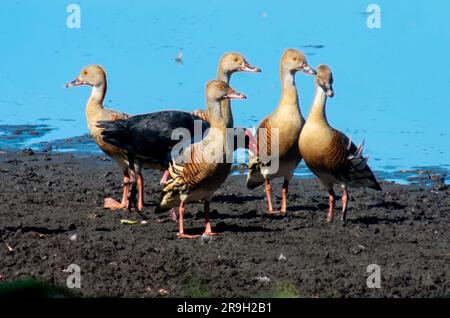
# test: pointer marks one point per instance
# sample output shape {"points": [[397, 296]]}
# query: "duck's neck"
{"points": [[95, 101], [317, 113], [222, 74], [225, 104], [216, 138], [289, 97], [216, 118]]}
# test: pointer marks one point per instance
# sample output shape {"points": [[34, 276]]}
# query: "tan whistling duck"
{"points": [[331, 155], [287, 119], [202, 167], [229, 64], [95, 76]]}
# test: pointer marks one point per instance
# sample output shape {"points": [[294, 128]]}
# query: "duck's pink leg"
{"points": [[284, 192], [164, 177], [331, 202], [173, 215], [181, 233], [112, 204], [269, 201], [208, 229], [344, 204]]}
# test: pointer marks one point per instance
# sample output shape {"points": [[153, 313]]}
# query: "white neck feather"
{"points": [[97, 93], [318, 109]]}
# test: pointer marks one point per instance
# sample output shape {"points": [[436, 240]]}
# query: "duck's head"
{"points": [[294, 60], [92, 75], [324, 79], [218, 90], [236, 62]]}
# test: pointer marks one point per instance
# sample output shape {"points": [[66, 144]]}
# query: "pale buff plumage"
{"points": [[229, 64], [202, 168], [286, 121], [95, 76], [328, 152]]}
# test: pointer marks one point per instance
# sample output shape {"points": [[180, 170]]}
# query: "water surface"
{"points": [[391, 83]]}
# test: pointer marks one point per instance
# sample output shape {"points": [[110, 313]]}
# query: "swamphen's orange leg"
{"points": [[140, 184]]}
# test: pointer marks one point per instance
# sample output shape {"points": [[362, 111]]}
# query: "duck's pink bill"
{"points": [[75, 82], [250, 68], [236, 96], [308, 70]]}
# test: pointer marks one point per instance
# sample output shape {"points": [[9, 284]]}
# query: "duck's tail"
{"points": [[254, 176], [360, 175]]}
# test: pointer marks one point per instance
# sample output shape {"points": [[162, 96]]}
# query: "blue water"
{"points": [[391, 83]]}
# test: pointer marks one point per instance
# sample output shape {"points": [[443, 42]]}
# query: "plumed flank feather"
{"points": [[170, 196], [201, 114], [355, 171]]}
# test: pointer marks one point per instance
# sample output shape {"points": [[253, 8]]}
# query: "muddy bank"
{"points": [[51, 216]]}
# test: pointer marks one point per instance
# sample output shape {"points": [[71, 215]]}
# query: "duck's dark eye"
{"points": [[236, 59], [85, 72], [221, 87], [295, 59]]}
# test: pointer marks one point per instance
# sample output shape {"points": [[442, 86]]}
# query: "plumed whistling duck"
{"points": [[288, 121], [95, 76], [202, 168], [331, 155], [229, 64]]}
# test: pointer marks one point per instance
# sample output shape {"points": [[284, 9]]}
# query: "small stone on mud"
{"points": [[92, 216], [163, 292], [263, 279], [357, 250], [281, 257]]}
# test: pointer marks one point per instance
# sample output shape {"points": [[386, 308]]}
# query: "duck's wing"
{"points": [[113, 115], [152, 136], [347, 164], [185, 176], [264, 138]]}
